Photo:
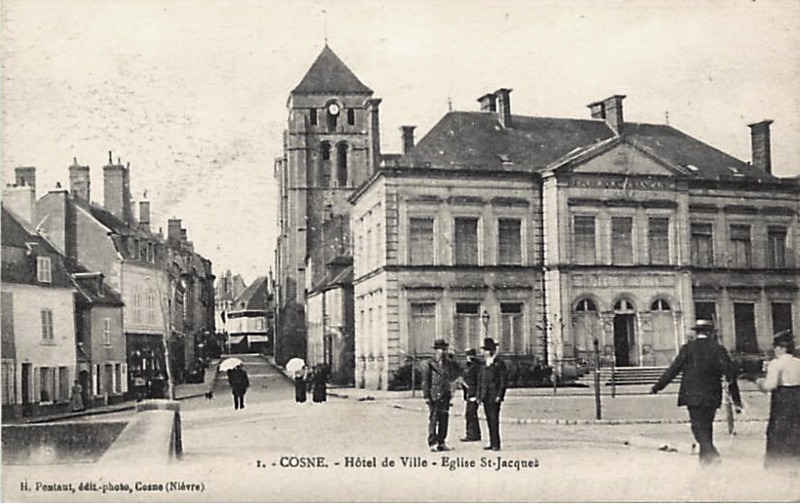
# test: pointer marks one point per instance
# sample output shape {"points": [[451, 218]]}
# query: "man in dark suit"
{"points": [[438, 375], [492, 381], [703, 363], [470, 386]]}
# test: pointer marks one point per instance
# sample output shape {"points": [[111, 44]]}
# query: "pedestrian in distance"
{"points": [[492, 384], [76, 399], [703, 362], [470, 387], [783, 381], [300, 385], [320, 383], [239, 382], [438, 374]]}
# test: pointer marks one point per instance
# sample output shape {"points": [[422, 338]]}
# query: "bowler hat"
{"points": [[440, 343], [471, 352], [489, 344], [703, 325], [783, 338]]}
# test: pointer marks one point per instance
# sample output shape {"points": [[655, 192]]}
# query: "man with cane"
{"points": [[703, 363]]}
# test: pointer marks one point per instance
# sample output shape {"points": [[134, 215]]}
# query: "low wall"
{"points": [[58, 443], [152, 436]]}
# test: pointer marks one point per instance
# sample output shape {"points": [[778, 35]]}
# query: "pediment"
{"points": [[623, 159]]}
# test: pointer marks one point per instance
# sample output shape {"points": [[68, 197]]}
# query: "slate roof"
{"points": [[478, 140], [94, 289], [329, 74], [334, 278], [19, 260], [254, 296]]}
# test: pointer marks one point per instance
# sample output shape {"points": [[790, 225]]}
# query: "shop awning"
{"points": [[235, 340], [257, 338]]}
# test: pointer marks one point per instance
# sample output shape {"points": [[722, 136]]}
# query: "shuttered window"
{"points": [[658, 240], [740, 249], [47, 326], [509, 249], [421, 327], [584, 239], [511, 336], [466, 327], [621, 240], [776, 247], [420, 241], [702, 244], [466, 241]]}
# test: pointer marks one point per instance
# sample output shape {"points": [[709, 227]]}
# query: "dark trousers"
{"points": [[702, 418], [473, 426], [238, 400], [438, 419], [492, 411]]}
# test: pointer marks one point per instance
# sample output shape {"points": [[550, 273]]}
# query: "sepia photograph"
{"points": [[414, 251]]}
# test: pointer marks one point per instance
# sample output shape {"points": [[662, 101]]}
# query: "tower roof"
{"points": [[329, 74]]}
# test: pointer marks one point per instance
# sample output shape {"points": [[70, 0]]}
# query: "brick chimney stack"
{"points": [[144, 214], [504, 106], [21, 197], [488, 102], [79, 181], [610, 110], [374, 132], [761, 149], [25, 176], [174, 231], [117, 190], [408, 138]]}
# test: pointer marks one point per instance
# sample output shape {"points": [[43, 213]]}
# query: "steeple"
{"points": [[329, 74]]}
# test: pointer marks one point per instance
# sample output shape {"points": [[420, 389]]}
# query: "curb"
{"points": [[567, 421]]}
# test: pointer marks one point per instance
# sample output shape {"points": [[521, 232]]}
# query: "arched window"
{"points": [[324, 165], [333, 118], [660, 305], [623, 305], [585, 305], [341, 165]]}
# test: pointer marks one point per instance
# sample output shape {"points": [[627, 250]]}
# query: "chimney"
{"points": [[760, 139], [26, 176], [144, 215], [408, 138], [20, 198], [79, 181], [117, 190], [609, 109], [173, 231], [374, 132], [504, 106], [488, 102], [184, 235]]}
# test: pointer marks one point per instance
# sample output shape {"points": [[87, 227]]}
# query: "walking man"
{"points": [[492, 382], [703, 362], [239, 382], [437, 378], [470, 386]]}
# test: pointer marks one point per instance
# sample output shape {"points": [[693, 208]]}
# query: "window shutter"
{"points": [[37, 388], [124, 378]]}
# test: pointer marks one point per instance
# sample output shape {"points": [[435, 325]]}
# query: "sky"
{"points": [[193, 93]]}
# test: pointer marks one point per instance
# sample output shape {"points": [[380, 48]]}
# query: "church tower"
{"points": [[331, 146]]}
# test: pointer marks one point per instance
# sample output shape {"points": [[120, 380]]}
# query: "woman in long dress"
{"points": [[783, 380], [320, 381], [300, 385], [76, 399]]}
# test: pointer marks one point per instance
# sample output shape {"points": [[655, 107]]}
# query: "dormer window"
{"points": [[43, 271]]}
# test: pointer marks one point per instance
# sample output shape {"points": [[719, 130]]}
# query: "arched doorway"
{"points": [[625, 353]]}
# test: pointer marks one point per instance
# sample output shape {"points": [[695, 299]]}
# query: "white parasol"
{"points": [[294, 365], [230, 363]]}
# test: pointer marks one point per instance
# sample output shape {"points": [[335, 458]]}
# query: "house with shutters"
{"points": [[38, 318]]}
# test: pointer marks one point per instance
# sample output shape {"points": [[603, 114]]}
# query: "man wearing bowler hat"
{"points": [[437, 378], [470, 386], [492, 382], [703, 362]]}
